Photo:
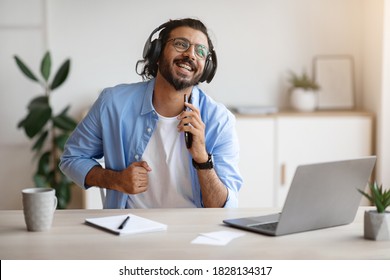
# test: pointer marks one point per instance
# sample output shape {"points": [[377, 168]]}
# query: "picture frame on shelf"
{"points": [[335, 76]]}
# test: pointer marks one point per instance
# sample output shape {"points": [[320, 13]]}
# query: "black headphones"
{"points": [[152, 51]]}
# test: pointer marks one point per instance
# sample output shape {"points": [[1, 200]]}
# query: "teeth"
{"points": [[185, 66]]}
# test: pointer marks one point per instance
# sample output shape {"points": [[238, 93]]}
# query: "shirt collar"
{"points": [[147, 105]]}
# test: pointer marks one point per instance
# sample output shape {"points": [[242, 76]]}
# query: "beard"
{"points": [[179, 83]]}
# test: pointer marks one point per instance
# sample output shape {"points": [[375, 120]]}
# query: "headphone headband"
{"points": [[149, 42]]}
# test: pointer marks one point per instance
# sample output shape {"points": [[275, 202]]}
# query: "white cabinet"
{"points": [[274, 146], [316, 138], [257, 160]]}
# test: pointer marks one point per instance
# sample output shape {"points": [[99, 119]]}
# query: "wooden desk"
{"points": [[69, 238]]}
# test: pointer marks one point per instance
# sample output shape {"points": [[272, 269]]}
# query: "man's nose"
{"points": [[190, 52]]}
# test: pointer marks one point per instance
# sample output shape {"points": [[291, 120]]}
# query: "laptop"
{"points": [[321, 195]]}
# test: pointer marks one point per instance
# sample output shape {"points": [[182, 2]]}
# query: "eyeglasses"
{"points": [[182, 44]]}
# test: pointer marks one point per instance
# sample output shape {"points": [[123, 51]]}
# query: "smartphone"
{"points": [[187, 135]]}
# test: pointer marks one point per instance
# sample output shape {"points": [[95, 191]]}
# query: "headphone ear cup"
{"points": [[155, 50], [210, 68], [206, 71], [152, 49], [146, 48]]}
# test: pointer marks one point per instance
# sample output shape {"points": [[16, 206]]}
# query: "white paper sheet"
{"points": [[217, 238]]}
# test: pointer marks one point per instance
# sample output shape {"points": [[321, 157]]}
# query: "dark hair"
{"points": [[149, 62]]}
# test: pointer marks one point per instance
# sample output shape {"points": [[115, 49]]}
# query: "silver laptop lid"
{"points": [[325, 194]]}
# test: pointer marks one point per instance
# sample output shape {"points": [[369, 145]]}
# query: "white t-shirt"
{"points": [[169, 180]]}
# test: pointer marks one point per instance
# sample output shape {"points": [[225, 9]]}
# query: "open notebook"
{"points": [[134, 224]]}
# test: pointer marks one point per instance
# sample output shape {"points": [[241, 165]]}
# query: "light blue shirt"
{"points": [[119, 126]]}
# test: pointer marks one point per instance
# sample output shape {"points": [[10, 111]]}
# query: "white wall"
{"points": [[383, 138], [376, 79], [257, 42], [21, 32]]}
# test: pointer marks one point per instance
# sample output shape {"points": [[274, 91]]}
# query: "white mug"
{"points": [[39, 205]]}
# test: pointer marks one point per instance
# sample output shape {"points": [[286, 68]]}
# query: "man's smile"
{"points": [[185, 64]]}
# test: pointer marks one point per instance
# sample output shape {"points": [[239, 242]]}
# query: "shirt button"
{"points": [[136, 157], [149, 130]]}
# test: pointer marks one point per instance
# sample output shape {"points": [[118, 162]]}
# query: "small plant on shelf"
{"points": [[303, 92], [303, 81]]}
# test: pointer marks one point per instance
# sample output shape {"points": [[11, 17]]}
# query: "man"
{"points": [[140, 131]]}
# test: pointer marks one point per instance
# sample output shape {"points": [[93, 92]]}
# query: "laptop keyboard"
{"points": [[268, 226]]}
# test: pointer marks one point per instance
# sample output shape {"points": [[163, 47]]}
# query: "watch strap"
{"points": [[205, 165]]}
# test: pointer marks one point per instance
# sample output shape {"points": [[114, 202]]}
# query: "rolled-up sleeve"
{"points": [[226, 159], [84, 146], [222, 143]]}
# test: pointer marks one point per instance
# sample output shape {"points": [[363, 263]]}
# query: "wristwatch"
{"points": [[205, 165]]}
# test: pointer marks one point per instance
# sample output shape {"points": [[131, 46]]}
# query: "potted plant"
{"points": [[303, 92], [48, 131], [377, 222]]}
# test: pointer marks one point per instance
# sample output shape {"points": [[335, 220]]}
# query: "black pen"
{"points": [[123, 224]]}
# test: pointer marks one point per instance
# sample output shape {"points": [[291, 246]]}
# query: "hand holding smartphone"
{"points": [[187, 135]]}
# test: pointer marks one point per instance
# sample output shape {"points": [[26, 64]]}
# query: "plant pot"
{"points": [[376, 225], [303, 100]]}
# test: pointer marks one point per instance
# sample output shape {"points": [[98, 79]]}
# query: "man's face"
{"points": [[183, 69]]}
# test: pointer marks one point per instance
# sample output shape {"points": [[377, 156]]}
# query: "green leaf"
{"points": [[35, 121], [367, 196], [44, 164], [64, 122], [41, 140], [39, 114], [40, 181], [50, 177], [303, 81], [379, 197], [46, 66], [61, 75], [26, 71], [39, 101], [22, 123], [65, 111], [379, 206]]}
